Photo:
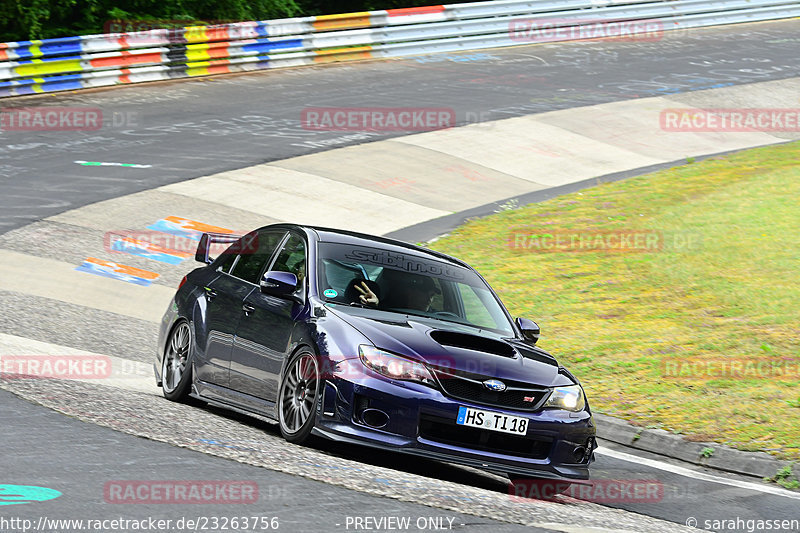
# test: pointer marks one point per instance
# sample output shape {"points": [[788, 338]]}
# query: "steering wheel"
{"points": [[446, 313]]}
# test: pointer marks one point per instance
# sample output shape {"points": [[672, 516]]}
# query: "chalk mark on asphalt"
{"points": [[696, 474]]}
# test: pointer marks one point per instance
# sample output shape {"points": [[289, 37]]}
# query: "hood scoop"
{"points": [[536, 354], [473, 342]]}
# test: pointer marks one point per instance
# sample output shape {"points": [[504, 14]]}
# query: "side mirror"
{"points": [[529, 328], [279, 284]]}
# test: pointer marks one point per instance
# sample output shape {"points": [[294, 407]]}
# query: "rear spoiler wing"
{"points": [[204, 247]]}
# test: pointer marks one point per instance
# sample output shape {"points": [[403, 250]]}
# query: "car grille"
{"points": [[518, 396], [446, 431]]}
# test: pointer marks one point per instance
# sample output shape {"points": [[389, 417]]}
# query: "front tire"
{"points": [[297, 397], [176, 372]]}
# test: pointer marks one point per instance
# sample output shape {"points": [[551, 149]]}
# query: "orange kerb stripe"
{"points": [[415, 10]]}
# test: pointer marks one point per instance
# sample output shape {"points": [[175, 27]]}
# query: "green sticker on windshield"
{"points": [[330, 293]]}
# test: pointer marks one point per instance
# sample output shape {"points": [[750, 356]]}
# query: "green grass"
{"points": [[725, 287]]}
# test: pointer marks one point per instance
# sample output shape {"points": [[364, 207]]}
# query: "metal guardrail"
{"points": [[30, 67]]}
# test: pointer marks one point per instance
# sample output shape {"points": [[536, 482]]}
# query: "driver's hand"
{"points": [[366, 296]]}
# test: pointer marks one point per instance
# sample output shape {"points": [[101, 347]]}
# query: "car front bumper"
{"points": [[420, 420]]}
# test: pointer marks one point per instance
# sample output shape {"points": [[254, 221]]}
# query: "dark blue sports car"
{"points": [[372, 341]]}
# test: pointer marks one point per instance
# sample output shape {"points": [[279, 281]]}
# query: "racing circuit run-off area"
{"points": [[493, 266]]}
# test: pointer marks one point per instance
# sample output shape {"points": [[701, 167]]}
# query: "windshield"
{"points": [[408, 284]]}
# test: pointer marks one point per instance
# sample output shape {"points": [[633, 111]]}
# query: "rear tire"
{"points": [[176, 370]]}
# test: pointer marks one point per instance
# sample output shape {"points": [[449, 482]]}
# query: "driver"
{"points": [[419, 293]]}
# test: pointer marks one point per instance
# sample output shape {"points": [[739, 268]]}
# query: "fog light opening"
{"points": [[579, 454], [374, 418]]}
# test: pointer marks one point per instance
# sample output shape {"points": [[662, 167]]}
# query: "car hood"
{"points": [[449, 346]]}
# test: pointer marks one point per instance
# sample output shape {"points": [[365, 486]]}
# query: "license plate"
{"points": [[478, 418]]}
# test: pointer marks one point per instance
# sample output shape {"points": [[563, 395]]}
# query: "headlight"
{"points": [[570, 398], [394, 366]]}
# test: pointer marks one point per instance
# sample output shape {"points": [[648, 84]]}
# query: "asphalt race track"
{"points": [[96, 453], [196, 128], [183, 130]]}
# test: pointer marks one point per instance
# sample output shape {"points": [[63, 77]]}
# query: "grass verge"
{"points": [[697, 329]]}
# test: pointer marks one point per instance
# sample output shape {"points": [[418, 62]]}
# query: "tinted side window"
{"points": [[292, 258], [226, 261], [254, 254]]}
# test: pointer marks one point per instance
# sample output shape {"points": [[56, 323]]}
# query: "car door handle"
{"points": [[210, 293], [247, 308]]}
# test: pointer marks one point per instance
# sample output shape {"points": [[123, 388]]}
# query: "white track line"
{"points": [[124, 373], [695, 474]]}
